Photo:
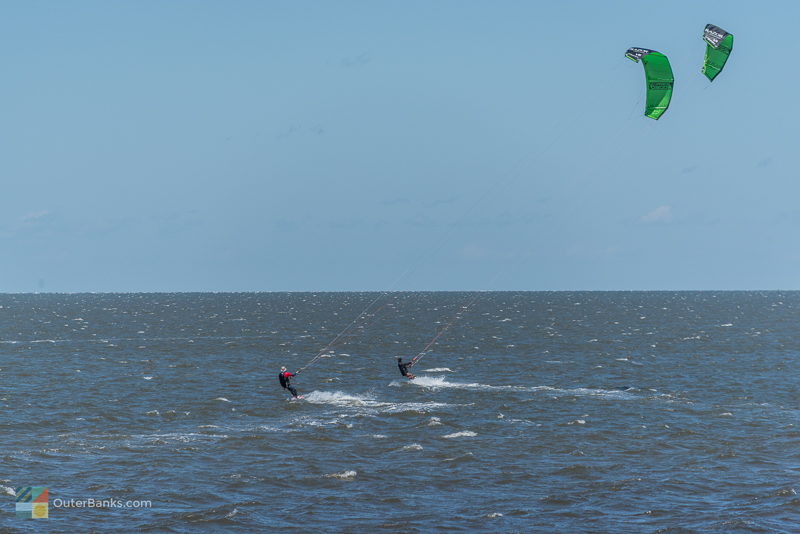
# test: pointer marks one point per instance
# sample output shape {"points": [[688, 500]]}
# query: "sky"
{"points": [[178, 145]]}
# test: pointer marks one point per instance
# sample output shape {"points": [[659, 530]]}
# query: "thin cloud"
{"points": [[35, 216], [662, 214]]}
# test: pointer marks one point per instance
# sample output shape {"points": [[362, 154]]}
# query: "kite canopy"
{"points": [[658, 75], [719, 45]]}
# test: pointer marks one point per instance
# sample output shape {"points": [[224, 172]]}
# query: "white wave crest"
{"points": [[461, 457], [438, 370], [441, 382], [365, 403], [413, 447], [588, 392], [421, 407], [462, 434], [337, 398], [223, 399], [436, 382], [344, 475]]}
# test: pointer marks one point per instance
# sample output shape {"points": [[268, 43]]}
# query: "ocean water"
{"points": [[535, 412]]}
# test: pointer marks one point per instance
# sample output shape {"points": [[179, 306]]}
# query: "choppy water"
{"points": [[536, 412]]}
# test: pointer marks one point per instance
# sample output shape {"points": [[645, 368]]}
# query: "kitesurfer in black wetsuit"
{"points": [[404, 368], [285, 379]]}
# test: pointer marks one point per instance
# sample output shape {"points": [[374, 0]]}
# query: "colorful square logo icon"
{"points": [[32, 502]]}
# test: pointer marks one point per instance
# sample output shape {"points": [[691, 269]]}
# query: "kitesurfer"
{"points": [[285, 379], [404, 368]]}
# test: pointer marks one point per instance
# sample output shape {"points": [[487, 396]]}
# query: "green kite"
{"points": [[658, 75], [719, 45]]}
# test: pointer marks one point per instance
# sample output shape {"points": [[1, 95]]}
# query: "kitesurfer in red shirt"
{"points": [[285, 379]]}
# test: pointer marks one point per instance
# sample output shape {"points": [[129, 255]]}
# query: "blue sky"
{"points": [[414, 145]]}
